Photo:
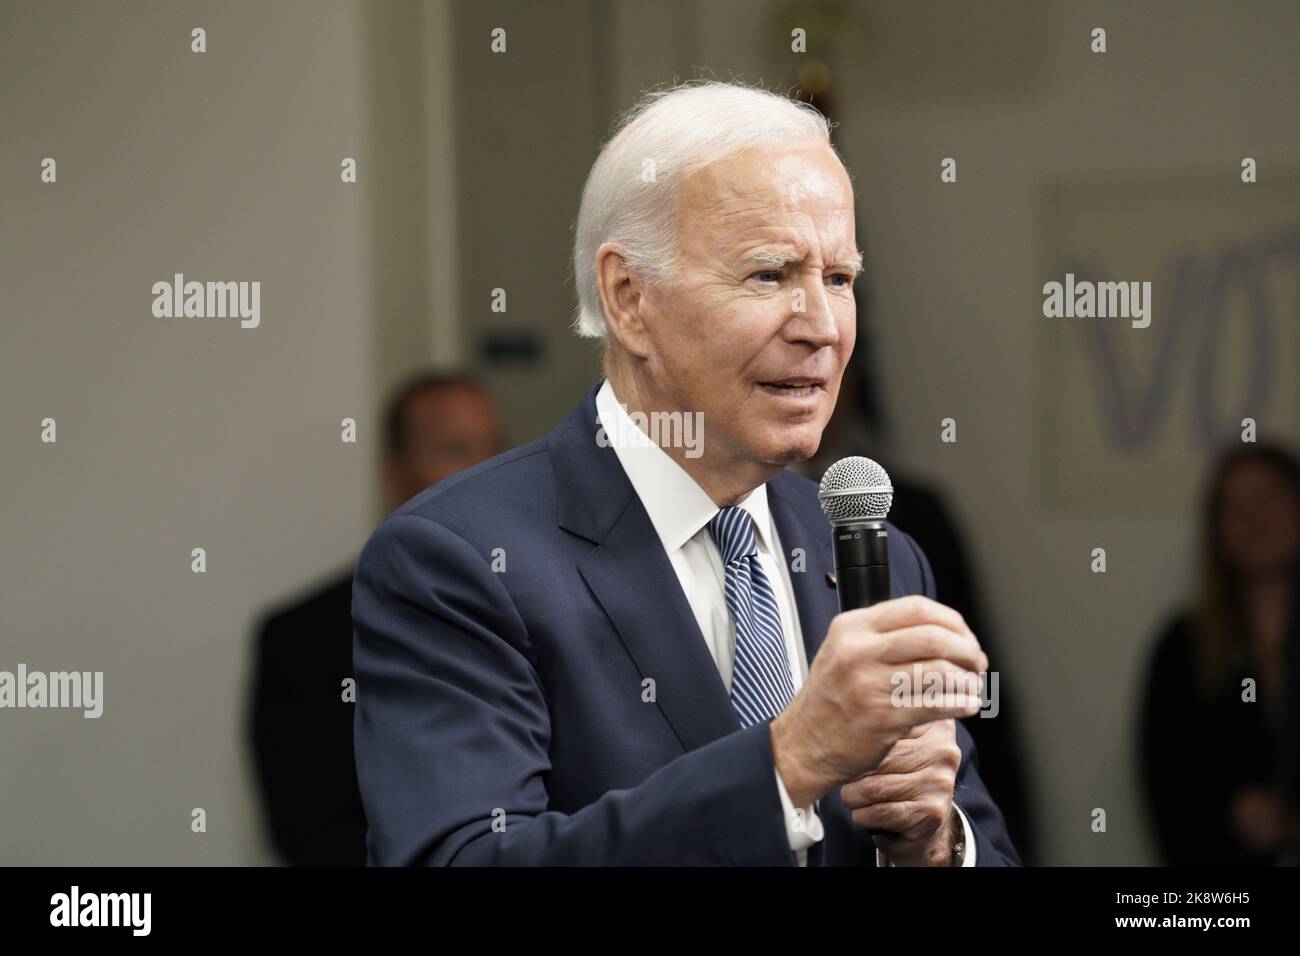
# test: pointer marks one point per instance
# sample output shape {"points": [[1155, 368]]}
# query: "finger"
{"points": [[943, 707], [910, 610], [939, 681], [922, 641], [934, 726], [897, 818], [903, 757], [917, 755], [910, 754], [898, 787]]}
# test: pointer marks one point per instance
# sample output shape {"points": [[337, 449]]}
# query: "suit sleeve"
{"points": [[452, 735], [302, 752], [992, 843], [1182, 802]]}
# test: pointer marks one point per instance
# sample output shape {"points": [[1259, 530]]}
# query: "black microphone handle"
{"points": [[861, 564], [862, 575], [862, 586]]}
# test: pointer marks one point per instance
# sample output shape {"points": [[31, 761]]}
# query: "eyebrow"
{"points": [[778, 260]]}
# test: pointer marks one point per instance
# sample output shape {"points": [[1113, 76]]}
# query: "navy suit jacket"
{"points": [[506, 622]]}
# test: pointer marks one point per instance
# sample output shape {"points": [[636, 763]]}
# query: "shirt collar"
{"points": [[677, 506]]}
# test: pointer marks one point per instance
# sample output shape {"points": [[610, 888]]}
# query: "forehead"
{"points": [[767, 189], [447, 403], [1248, 476]]}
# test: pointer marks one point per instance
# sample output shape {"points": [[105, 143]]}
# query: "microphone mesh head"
{"points": [[855, 489]]}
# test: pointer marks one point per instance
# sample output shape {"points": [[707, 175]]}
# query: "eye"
{"points": [[767, 275], [846, 279]]}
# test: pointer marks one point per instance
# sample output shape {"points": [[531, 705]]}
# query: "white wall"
{"points": [[172, 433]]}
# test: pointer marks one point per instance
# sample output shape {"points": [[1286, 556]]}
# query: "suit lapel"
{"points": [[801, 524], [632, 579]]}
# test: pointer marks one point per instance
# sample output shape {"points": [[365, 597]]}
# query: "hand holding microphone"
{"points": [[848, 716]]}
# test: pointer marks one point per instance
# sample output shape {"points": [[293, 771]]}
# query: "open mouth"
{"points": [[793, 387]]}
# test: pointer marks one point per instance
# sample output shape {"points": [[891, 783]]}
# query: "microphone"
{"points": [[855, 495]]}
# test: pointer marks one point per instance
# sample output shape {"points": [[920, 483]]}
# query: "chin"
{"points": [[791, 449]]}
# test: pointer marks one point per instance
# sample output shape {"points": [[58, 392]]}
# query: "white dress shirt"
{"points": [[680, 511]]}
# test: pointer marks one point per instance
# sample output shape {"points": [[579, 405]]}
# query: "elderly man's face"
{"points": [[756, 329]]}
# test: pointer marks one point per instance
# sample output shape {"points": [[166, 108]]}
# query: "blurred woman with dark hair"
{"points": [[1222, 763]]}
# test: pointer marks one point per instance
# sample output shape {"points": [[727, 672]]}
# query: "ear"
{"points": [[622, 296]]}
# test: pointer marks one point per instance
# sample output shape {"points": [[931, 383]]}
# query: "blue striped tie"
{"points": [[761, 685]]}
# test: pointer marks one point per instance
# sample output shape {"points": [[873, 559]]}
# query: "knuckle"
{"points": [[916, 604], [945, 641]]}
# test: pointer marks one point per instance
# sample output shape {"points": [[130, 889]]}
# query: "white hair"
{"points": [[673, 132]]}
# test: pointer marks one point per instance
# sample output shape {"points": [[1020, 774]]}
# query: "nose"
{"points": [[814, 323]]}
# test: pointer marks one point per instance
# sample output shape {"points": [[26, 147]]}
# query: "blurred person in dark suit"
{"points": [[1220, 770], [301, 728]]}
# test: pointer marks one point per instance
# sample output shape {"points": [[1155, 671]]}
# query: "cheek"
{"points": [[694, 326], [848, 328], [735, 337], [1231, 533], [1286, 526]]}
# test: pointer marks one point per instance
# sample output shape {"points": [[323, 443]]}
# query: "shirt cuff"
{"points": [[803, 827], [968, 841], [968, 838]]}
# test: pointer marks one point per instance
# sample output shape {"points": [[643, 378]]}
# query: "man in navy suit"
{"points": [[619, 645]]}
